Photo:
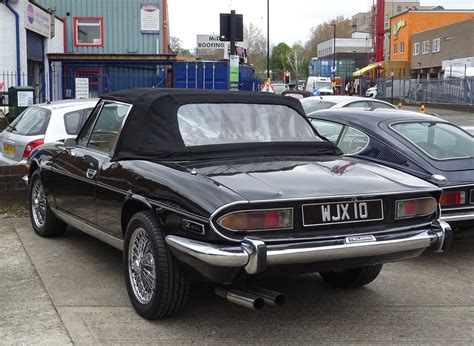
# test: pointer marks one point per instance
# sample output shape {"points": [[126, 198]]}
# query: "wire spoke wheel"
{"points": [[38, 204], [141, 265]]}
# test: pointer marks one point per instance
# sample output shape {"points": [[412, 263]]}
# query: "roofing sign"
{"points": [[397, 27], [37, 20], [209, 42]]}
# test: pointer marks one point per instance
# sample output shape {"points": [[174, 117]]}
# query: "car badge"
{"points": [[367, 238]]}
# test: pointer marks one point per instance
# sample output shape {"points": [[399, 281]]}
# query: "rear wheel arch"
{"points": [[34, 166], [132, 206]]}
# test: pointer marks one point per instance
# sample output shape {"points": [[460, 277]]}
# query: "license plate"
{"points": [[342, 212], [9, 149]]}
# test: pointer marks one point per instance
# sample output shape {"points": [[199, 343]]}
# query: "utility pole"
{"points": [[232, 32], [268, 39]]}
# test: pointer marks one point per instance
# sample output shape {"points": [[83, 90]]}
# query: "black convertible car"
{"points": [[422, 145], [226, 186]]}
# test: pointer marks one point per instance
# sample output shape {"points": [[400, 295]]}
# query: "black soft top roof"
{"points": [[152, 130]]}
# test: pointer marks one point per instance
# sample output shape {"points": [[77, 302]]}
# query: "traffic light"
{"points": [[287, 78]]}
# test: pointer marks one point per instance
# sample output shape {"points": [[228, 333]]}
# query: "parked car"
{"points": [[317, 103], [422, 145], [280, 87], [297, 94], [226, 186], [42, 123]]}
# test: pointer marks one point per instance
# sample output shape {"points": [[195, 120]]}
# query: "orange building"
{"points": [[404, 25]]}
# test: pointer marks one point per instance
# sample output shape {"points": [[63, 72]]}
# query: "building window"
{"points": [[88, 31], [395, 48], [425, 47], [399, 9], [416, 49], [436, 45], [402, 47]]}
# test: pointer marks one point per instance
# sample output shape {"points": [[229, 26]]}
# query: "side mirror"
{"points": [[70, 143]]}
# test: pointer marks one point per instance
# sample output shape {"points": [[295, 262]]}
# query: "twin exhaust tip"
{"points": [[253, 298]]}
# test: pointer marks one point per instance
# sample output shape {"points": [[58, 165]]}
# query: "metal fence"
{"points": [[445, 91]]}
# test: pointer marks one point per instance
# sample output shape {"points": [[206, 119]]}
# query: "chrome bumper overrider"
{"points": [[254, 255]]}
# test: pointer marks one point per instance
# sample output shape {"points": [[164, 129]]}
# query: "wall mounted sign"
{"points": [[37, 20], [149, 18], [397, 27]]}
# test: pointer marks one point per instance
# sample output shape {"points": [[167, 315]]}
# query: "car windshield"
{"points": [[207, 124], [323, 85], [439, 140], [313, 105], [33, 121]]}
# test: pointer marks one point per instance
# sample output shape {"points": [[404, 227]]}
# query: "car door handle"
{"points": [[91, 173]]}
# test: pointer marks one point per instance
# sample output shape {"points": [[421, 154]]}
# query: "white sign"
{"points": [[37, 20], [209, 42], [149, 18], [82, 88], [25, 98]]}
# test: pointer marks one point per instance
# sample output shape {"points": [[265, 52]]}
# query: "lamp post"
{"points": [[268, 39], [391, 92], [334, 56]]}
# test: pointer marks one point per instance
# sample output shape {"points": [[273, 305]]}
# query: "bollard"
{"points": [[422, 108]]}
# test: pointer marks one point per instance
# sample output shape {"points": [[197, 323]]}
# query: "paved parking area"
{"points": [[71, 290]]}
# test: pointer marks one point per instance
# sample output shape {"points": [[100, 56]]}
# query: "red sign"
{"points": [[1, 85], [267, 87]]}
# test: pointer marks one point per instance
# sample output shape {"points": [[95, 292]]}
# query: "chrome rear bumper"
{"points": [[254, 255]]}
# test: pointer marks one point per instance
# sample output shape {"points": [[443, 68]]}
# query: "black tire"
{"points": [[44, 223], [170, 286], [351, 278]]}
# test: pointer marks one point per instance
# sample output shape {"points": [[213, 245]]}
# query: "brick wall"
{"points": [[12, 188]]}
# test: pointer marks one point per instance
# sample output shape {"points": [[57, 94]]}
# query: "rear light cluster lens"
{"points": [[30, 146], [453, 198], [416, 207], [258, 220]]}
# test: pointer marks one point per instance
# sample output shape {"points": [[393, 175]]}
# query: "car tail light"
{"points": [[30, 146], [453, 198], [258, 220], [416, 207]]}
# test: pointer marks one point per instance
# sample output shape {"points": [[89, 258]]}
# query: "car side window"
{"points": [[358, 104], [107, 127], [374, 104], [353, 141], [328, 129], [73, 122]]}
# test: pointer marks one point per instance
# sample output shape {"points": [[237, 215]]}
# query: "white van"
{"points": [[323, 84]]}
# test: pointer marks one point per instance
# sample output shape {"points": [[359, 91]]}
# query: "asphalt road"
{"points": [[71, 290]]}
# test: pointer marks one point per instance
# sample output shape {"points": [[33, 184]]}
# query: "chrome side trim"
{"points": [[92, 231], [255, 260]]}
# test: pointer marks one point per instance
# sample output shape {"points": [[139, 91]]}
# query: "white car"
{"points": [[42, 123], [371, 92], [317, 103]]}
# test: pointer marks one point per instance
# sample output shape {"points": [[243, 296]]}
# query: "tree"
{"points": [[175, 44], [256, 47], [295, 58]]}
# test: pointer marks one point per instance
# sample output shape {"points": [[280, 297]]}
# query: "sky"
{"points": [[290, 21]]}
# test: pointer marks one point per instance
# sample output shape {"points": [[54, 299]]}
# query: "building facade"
{"points": [[449, 43], [351, 54], [411, 22], [28, 33]]}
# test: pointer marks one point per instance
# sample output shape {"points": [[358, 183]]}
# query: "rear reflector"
{"points": [[451, 198]]}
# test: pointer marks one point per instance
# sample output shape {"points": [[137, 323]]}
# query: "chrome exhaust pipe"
{"points": [[269, 296], [241, 298]]}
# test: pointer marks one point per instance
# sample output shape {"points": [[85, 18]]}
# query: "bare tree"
{"points": [[294, 58], [256, 47]]}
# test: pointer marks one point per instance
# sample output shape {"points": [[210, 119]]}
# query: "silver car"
{"points": [[42, 123], [318, 103]]}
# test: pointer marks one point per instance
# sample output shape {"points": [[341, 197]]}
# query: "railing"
{"points": [[446, 91]]}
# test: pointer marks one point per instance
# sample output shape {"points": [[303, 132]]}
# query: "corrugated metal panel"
{"points": [[122, 34]]}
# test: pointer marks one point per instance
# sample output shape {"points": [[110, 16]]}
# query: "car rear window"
{"points": [[208, 124], [73, 122], [32, 122], [441, 141]]}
